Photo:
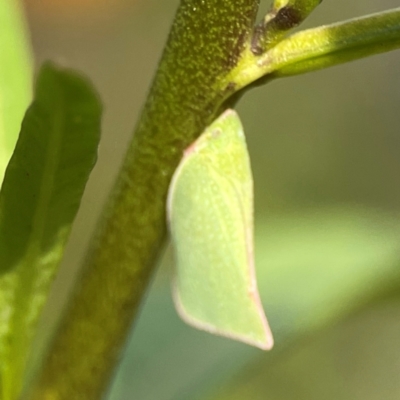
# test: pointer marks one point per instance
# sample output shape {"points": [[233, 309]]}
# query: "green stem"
{"points": [[322, 47], [205, 43], [283, 16]]}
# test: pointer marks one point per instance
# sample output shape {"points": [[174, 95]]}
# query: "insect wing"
{"points": [[210, 208]]}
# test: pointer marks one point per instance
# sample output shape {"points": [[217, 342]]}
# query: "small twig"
{"points": [[322, 47], [283, 16]]}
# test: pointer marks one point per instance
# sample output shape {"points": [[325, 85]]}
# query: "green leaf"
{"points": [[41, 193], [314, 267], [320, 268], [325, 264], [210, 208], [15, 78]]}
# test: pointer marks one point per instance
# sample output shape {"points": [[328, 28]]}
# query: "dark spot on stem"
{"points": [[287, 18], [256, 43], [228, 91], [271, 28], [230, 87]]}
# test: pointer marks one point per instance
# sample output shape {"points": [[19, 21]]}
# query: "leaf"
{"points": [[314, 267], [15, 78], [41, 193], [320, 268], [210, 208], [324, 264]]}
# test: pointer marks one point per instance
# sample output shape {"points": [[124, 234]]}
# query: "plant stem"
{"points": [[283, 16], [322, 47], [205, 43]]}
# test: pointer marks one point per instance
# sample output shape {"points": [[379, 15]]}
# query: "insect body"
{"points": [[210, 211]]}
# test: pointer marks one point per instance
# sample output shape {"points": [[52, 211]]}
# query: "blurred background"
{"points": [[325, 154]]}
